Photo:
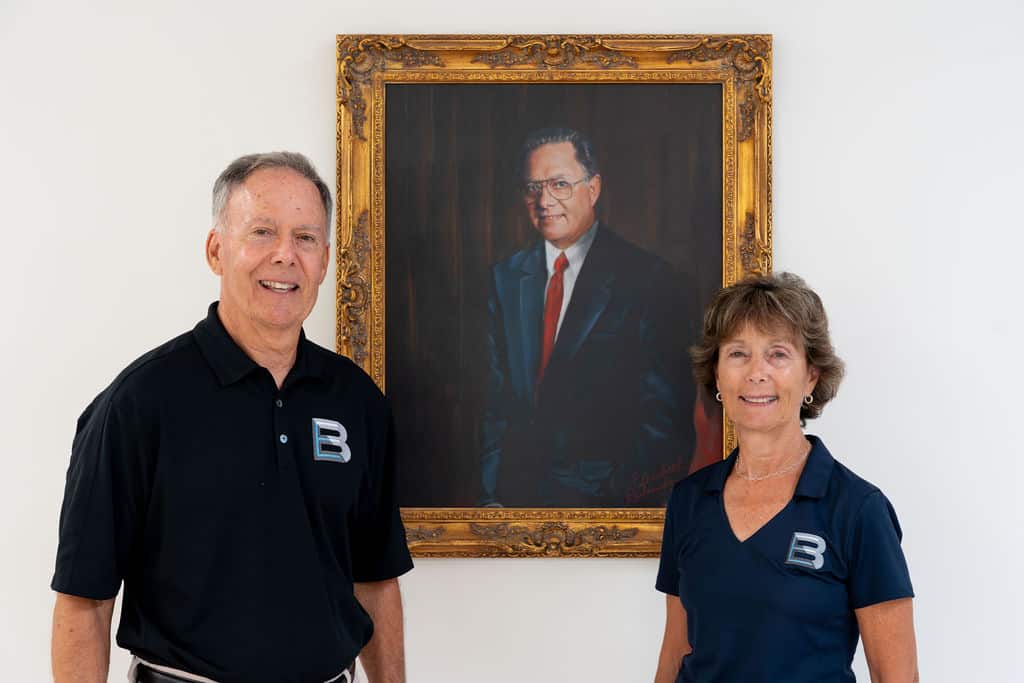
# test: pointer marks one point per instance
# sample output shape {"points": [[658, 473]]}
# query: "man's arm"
{"points": [[80, 646], [494, 418], [662, 429], [383, 657]]}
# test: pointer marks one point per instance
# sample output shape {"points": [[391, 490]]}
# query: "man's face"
{"points": [[560, 221], [271, 252]]}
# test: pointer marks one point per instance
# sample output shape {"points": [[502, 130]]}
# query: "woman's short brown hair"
{"points": [[771, 302]]}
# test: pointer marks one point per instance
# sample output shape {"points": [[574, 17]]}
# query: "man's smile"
{"points": [[275, 286]]}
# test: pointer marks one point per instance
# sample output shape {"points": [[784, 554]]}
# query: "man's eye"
{"points": [[560, 184], [261, 232], [308, 238], [532, 188]]}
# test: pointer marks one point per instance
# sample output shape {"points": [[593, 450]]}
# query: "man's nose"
{"points": [[546, 198], [284, 251]]}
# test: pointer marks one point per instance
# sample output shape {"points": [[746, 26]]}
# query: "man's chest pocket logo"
{"points": [[329, 441], [806, 550]]}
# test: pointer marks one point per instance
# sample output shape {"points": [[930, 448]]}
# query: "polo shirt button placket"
{"points": [[282, 470]]}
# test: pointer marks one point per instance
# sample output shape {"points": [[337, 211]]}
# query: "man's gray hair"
{"points": [[243, 167], [581, 144]]}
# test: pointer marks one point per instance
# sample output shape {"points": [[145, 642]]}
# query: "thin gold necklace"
{"points": [[777, 473]]}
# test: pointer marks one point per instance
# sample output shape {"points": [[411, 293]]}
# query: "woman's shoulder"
{"points": [[853, 482], [850, 489]]}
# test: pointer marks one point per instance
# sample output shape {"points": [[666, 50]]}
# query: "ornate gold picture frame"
{"points": [[428, 129]]}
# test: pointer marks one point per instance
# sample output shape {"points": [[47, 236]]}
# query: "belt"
{"points": [[147, 674], [144, 674]]}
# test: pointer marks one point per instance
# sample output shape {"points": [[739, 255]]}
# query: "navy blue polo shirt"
{"points": [[779, 606], [237, 514]]}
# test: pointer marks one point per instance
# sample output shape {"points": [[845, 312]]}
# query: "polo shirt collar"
{"points": [[813, 480], [308, 363], [717, 477], [230, 363], [817, 472]]}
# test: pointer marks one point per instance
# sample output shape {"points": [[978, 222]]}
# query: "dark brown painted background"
{"points": [[453, 207]]}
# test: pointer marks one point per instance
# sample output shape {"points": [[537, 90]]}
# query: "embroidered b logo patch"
{"points": [[329, 441], [807, 550]]}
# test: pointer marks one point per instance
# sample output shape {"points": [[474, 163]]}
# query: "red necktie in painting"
{"points": [[552, 309]]}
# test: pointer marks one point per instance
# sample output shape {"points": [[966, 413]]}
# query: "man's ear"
{"points": [[594, 185], [326, 263], [213, 245]]}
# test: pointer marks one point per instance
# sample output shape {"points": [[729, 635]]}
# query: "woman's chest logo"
{"points": [[806, 550]]}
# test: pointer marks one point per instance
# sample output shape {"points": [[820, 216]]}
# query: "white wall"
{"points": [[897, 182]]}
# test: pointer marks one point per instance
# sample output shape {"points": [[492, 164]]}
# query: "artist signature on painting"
{"points": [[647, 484]]}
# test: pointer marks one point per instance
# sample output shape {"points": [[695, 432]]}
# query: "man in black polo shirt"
{"points": [[239, 479]]}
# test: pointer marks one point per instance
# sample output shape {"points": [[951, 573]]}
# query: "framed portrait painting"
{"points": [[529, 228]]}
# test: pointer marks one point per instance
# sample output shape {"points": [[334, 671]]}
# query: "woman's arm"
{"points": [[887, 631], [675, 644]]}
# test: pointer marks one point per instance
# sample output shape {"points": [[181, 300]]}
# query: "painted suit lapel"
{"points": [[590, 297], [532, 283]]}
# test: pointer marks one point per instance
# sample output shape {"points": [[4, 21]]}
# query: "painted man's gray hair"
{"points": [[242, 167], [581, 144]]}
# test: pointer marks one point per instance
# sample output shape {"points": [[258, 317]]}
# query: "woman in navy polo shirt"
{"points": [[780, 556]]}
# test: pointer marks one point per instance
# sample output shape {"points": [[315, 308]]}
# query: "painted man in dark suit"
{"points": [[585, 346]]}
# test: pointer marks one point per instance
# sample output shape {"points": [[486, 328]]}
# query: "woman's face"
{"points": [[763, 378]]}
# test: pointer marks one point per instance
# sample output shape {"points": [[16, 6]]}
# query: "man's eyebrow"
{"points": [[560, 176], [265, 220]]}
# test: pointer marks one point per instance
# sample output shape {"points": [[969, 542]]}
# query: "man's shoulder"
{"points": [[147, 375], [636, 270], [157, 362], [523, 259], [629, 254]]}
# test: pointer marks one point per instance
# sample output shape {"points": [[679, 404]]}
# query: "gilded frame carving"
{"points": [[742, 64]]}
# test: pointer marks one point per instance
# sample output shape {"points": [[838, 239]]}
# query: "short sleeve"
{"points": [[380, 551], [878, 569], [668, 567], [99, 518]]}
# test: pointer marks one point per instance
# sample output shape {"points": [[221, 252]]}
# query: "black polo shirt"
{"points": [[237, 514], [779, 606]]}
